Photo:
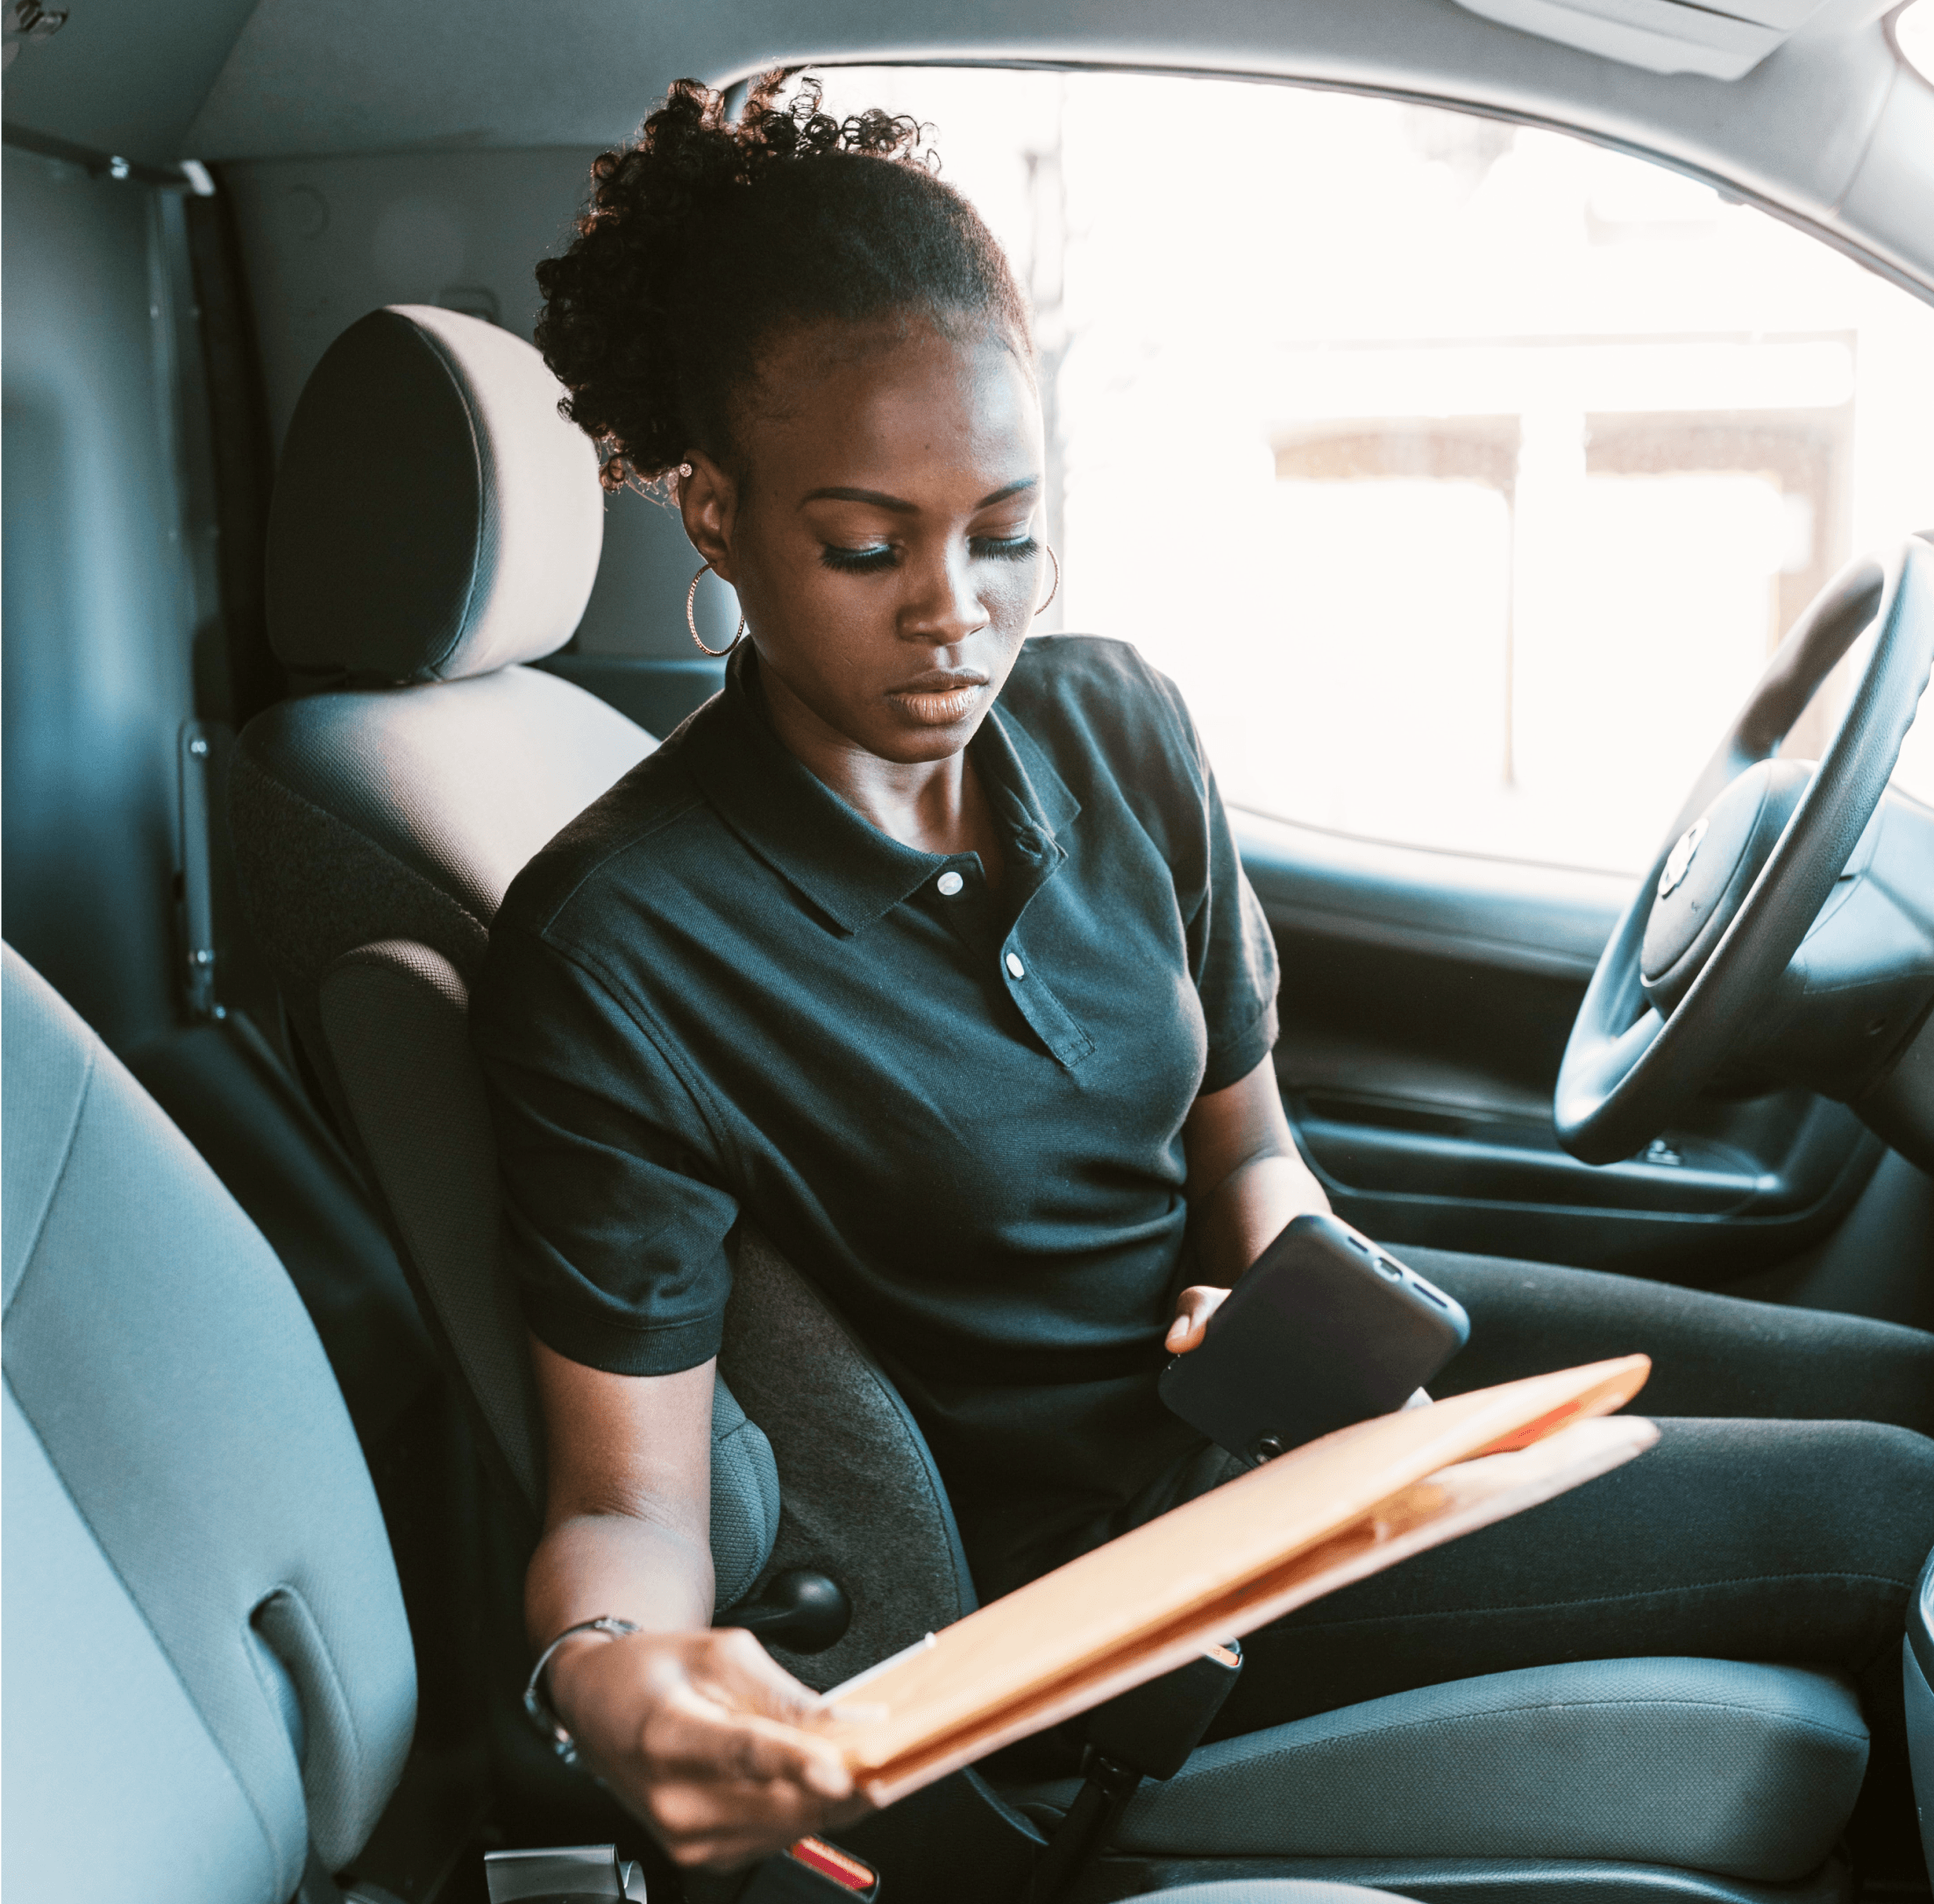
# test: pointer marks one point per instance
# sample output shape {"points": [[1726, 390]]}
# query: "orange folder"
{"points": [[1222, 1565]]}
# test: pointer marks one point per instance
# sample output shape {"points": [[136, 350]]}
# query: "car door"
{"points": [[1426, 1003]]}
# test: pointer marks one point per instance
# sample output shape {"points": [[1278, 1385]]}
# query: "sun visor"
{"points": [[1660, 36]]}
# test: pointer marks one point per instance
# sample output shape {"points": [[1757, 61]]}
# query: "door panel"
{"points": [[1426, 998]]}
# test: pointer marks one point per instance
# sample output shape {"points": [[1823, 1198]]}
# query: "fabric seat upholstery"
{"points": [[422, 542], [1750, 1771], [422, 546], [206, 1663]]}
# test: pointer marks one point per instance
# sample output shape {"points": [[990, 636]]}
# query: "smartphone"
{"points": [[1325, 1329]]}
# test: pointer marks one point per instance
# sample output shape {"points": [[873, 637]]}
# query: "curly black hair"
{"points": [[705, 240]]}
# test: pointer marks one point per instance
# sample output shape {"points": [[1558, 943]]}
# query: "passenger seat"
{"points": [[209, 1682], [209, 1677]]}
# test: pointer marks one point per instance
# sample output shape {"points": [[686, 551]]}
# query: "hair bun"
{"points": [[704, 238]]}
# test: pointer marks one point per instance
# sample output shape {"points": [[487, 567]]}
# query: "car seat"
{"points": [[209, 1684], [435, 528]]}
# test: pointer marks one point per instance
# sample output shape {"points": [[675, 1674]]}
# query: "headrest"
{"points": [[434, 516]]}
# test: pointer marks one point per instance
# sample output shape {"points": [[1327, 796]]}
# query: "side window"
{"points": [[1464, 475]]}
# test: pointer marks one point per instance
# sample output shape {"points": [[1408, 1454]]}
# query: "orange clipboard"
{"points": [[1225, 1563]]}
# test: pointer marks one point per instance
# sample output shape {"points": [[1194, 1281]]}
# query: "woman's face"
{"points": [[882, 541]]}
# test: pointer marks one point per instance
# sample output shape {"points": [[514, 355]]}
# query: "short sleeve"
{"points": [[614, 1218], [1231, 952]]}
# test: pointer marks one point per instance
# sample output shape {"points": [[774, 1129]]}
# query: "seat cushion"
{"points": [[1751, 1771], [109, 1764], [181, 1447]]}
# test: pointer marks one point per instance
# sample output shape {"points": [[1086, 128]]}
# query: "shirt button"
{"points": [[1014, 965], [950, 883]]}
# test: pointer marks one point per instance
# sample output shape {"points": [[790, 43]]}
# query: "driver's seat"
{"points": [[436, 526]]}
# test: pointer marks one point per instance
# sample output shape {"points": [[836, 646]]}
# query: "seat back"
{"points": [[422, 546], [207, 1664]]}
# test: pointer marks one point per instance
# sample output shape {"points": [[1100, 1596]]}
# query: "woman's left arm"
{"points": [[1246, 1180]]}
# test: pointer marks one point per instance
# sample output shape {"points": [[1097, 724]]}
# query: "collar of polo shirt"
{"points": [[849, 870]]}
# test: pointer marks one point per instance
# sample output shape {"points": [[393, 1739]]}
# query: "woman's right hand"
{"points": [[698, 1735]]}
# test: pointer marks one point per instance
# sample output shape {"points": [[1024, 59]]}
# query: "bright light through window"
{"points": [[1464, 475]]}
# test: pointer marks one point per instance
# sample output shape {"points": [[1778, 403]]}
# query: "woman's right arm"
{"points": [[691, 1727]]}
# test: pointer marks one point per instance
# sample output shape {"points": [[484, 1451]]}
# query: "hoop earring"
{"points": [[691, 620], [1056, 590]]}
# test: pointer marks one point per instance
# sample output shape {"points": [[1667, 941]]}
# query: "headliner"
{"points": [[1830, 129]]}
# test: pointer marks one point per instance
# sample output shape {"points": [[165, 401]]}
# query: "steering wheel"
{"points": [[1700, 949]]}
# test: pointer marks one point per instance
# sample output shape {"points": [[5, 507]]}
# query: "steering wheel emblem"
{"points": [[1679, 860]]}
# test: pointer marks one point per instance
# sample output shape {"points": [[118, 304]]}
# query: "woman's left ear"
{"points": [[708, 502]]}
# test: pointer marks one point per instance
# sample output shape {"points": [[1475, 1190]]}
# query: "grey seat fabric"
{"points": [[860, 1498], [1749, 1770], [470, 543], [362, 814], [206, 1659], [435, 525], [396, 1018]]}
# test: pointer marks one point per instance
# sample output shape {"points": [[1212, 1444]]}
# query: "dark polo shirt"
{"points": [[958, 1111]]}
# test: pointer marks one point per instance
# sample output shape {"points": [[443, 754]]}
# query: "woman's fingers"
{"points": [[729, 1820], [747, 1677], [691, 1732], [717, 1809], [1193, 1310], [710, 1747], [732, 1846]]}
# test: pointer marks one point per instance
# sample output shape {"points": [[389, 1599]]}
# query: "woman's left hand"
{"points": [[1193, 1310]]}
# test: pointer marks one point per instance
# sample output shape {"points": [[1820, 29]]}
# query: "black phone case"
{"points": [[1325, 1329]]}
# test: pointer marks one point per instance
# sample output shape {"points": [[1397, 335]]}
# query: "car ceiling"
{"points": [[1830, 129]]}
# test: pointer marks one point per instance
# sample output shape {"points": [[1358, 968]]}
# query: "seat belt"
{"points": [[1147, 1732]]}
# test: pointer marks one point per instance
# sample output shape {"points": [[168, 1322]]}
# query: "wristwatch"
{"points": [[537, 1708]]}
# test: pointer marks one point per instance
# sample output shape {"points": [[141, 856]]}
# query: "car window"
{"points": [[1463, 475]]}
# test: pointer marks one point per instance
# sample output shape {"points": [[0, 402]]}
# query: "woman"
{"points": [[925, 944]]}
